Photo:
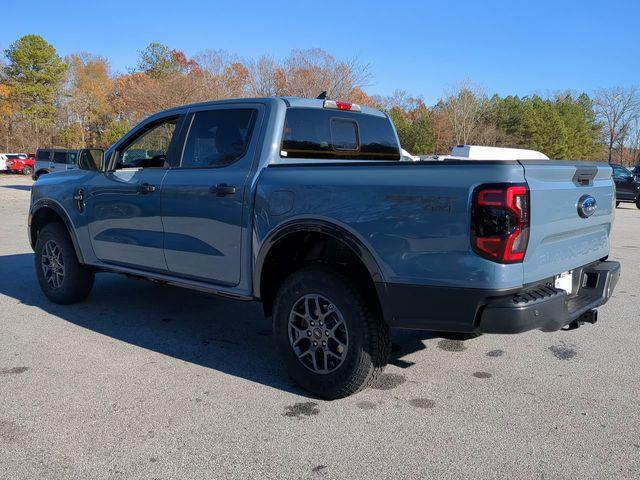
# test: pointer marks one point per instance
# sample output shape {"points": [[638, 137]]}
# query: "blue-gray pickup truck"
{"points": [[306, 206]]}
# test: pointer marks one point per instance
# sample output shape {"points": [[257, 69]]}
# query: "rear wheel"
{"points": [[332, 342], [637, 202], [61, 277], [27, 170], [617, 204]]}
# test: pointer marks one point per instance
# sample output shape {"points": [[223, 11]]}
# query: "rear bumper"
{"points": [[489, 311]]}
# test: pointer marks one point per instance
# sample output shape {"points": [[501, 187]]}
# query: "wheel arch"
{"points": [[311, 226], [39, 173], [48, 211]]}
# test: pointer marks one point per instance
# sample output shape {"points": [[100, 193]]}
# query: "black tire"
{"points": [[77, 280], [617, 204], [637, 202], [27, 171], [369, 342]]}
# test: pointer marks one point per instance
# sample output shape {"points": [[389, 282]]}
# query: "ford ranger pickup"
{"points": [[306, 206]]}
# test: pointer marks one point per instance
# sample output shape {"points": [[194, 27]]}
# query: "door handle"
{"points": [[223, 190], [145, 188], [79, 199]]}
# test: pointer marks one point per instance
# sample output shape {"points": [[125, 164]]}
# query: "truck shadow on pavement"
{"points": [[26, 188], [230, 336]]}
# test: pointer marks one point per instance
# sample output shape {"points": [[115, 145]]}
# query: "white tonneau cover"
{"points": [[475, 152]]}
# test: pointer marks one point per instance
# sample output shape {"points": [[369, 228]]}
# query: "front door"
{"points": [[123, 204], [203, 198], [625, 186]]}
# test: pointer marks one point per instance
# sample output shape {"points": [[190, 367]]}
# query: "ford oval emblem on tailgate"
{"points": [[586, 206]]}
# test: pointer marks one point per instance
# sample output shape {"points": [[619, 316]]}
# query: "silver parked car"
{"points": [[50, 160]]}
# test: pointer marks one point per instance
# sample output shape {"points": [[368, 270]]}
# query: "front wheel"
{"points": [[61, 277], [332, 341], [27, 171], [617, 204], [637, 202]]}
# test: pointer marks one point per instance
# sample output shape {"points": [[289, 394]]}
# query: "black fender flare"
{"points": [[320, 226], [59, 210]]}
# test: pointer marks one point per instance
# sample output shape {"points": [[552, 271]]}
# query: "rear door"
{"points": [[562, 239], [43, 160], [203, 199], [625, 186]]}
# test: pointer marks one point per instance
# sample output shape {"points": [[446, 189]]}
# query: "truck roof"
{"points": [[289, 101], [318, 103]]}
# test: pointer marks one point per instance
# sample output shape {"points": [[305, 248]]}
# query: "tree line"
{"points": [[76, 101]]}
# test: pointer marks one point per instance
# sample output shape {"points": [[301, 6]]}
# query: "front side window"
{"points": [[59, 157], [621, 172], [43, 155], [149, 149], [218, 137], [71, 158]]}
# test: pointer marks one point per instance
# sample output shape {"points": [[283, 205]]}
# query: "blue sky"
{"points": [[518, 47]]}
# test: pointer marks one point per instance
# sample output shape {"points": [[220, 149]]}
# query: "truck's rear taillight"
{"points": [[354, 107], [500, 222]]}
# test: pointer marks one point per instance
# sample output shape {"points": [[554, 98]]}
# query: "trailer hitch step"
{"points": [[590, 316]]}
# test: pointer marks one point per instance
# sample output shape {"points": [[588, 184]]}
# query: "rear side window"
{"points": [[218, 137], [331, 134], [59, 157], [44, 155]]}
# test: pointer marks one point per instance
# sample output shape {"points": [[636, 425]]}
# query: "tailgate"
{"points": [[560, 238]]}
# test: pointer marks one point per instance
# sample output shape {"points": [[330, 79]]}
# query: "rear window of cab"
{"points": [[331, 134]]}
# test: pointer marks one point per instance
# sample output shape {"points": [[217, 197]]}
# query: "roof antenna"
{"points": [[322, 96]]}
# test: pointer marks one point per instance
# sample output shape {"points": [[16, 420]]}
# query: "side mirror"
{"points": [[91, 159]]}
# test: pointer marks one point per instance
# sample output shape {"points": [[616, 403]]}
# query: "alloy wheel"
{"points": [[52, 264], [318, 333]]}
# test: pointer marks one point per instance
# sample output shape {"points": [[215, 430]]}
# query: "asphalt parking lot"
{"points": [[148, 381]]}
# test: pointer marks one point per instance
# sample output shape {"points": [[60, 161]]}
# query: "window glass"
{"points": [[344, 134], [72, 157], [150, 148], [621, 172], [218, 137], [59, 157], [44, 155], [332, 134]]}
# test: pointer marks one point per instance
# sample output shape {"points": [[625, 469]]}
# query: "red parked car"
{"points": [[21, 164]]}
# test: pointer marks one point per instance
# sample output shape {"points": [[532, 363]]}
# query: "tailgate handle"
{"points": [[584, 176]]}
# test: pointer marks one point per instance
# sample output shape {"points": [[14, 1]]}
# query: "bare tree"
{"points": [[465, 106], [616, 108], [309, 72], [633, 142], [264, 75]]}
